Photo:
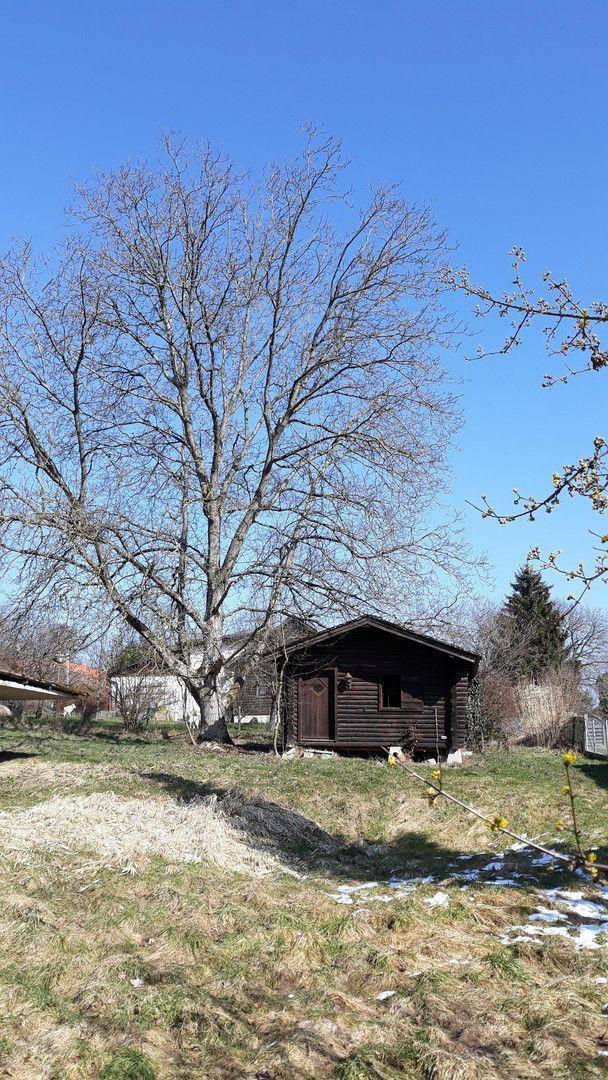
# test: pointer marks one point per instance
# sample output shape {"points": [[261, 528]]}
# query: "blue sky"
{"points": [[494, 112]]}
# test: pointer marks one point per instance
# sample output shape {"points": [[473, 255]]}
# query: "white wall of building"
{"points": [[174, 700]]}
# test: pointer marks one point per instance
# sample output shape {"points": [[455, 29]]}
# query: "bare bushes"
{"points": [[532, 713], [138, 698], [546, 710]]}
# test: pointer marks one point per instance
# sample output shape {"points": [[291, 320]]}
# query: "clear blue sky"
{"points": [[495, 112]]}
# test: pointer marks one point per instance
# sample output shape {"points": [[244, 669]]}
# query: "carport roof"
{"points": [[14, 686]]}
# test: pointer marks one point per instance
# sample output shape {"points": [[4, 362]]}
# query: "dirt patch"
{"points": [[126, 831]]}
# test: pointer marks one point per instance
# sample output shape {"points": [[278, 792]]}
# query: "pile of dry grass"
{"points": [[126, 831]]}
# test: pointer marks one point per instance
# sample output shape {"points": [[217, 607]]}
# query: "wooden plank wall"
{"points": [[255, 698], [433, 699]]}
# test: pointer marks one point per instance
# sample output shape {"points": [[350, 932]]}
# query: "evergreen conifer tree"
{"points": [[532, 618]]}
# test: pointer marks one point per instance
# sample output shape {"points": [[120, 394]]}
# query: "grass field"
{"points": [[119, 962]]}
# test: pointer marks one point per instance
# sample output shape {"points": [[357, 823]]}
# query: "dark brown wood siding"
{"points": [[433, 691], [255, 698]]}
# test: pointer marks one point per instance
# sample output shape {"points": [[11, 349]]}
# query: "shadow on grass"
{"points": [[596, 770], [301, 844], [12, 755]]}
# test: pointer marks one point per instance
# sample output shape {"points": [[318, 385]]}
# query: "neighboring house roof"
{"points": [[373, 622], [15, 686]]}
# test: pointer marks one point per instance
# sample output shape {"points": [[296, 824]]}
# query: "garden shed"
{"points": [[370, 683]]}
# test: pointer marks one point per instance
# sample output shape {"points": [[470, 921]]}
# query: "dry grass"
{"points": [[210, 970], [127, 831]]}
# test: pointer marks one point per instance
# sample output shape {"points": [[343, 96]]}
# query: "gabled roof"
{"points": [[373, 622]]}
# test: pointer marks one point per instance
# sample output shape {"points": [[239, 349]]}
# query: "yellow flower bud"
{"points": [[436, 774], [569, 757], [591, 857], [391, 762], [566, 789]]}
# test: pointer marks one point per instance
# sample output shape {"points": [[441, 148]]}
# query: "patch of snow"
{"points": [[408, 884], [547, 915], [440, 899], [358, 888], [571, 906], [542, 860], [577, 904], [496, 864]]}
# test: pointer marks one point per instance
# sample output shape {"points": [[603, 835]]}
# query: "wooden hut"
{"points": [[370, 683]]}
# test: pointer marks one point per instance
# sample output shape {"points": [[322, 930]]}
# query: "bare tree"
{"points": [[38, 645], [225, 403], [587, 640]]}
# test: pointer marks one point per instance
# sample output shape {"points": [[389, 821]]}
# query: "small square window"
{"points": [[390, 692]]}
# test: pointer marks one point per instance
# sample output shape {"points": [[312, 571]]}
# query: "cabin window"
{"points": [[390, 692]]}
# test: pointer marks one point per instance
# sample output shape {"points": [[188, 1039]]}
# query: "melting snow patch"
{"points": [[576, 904], [573, 909], [440, 899], [543, 860], [547, 915]]}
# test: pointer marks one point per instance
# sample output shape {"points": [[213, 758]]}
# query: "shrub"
{"points": [[492, 704], [547, 709]]}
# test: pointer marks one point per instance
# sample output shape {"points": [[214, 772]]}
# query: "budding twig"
{"points": [[571, 861]]}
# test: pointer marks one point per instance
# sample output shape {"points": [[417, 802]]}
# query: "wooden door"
{"points": [[316, 707]]}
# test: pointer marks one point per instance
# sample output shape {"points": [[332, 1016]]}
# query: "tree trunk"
{"points": [[212, 727]]}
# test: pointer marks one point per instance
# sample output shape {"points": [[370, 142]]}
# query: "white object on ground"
{"points": [[384, 994], [440, 899], [547, 915], [455, 758], [68, 710]]}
